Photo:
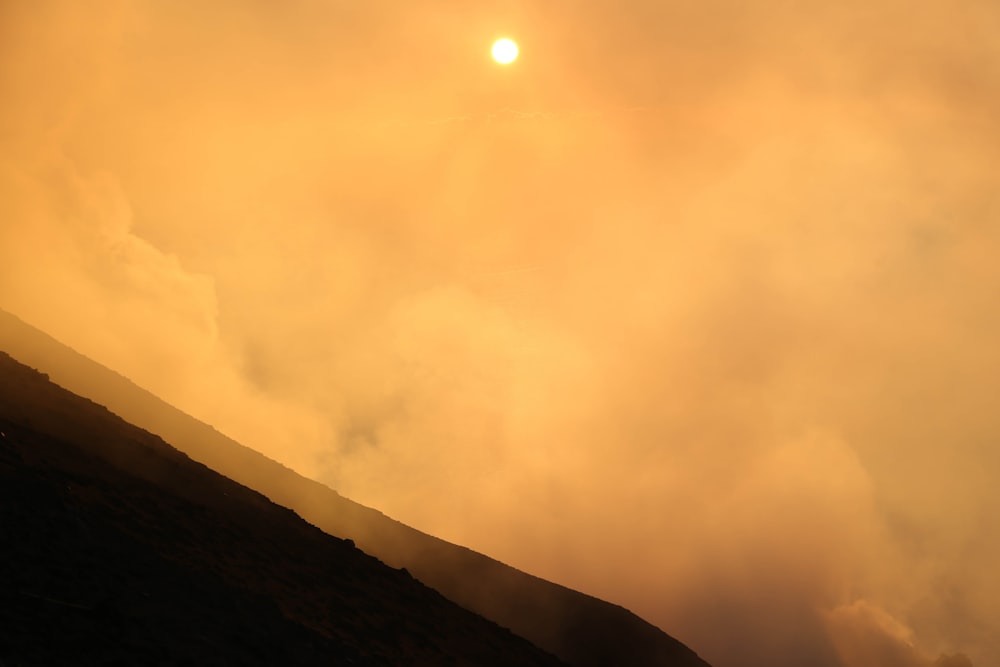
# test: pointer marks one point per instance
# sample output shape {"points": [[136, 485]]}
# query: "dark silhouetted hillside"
{"points": [[580, 629], [118, 549]]}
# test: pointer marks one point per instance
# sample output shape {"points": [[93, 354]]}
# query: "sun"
{"points": [[505, 51]]}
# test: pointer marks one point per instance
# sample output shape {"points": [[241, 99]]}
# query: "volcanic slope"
{"points": [[579, 629], [119, 549]]}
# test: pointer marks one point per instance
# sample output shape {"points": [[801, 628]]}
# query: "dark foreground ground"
{"points": [[117, 549], [581, 630]]}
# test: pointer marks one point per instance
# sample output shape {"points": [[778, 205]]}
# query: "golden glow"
{"points": [[683, 314], [505, 51]]}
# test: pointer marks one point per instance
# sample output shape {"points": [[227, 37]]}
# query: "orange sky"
{"points": [[693, 307]]}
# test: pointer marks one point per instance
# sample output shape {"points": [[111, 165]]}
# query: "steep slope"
{"points": [[118, 548], [580, 629]]}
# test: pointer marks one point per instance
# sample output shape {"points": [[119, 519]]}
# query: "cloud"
{"points": [[692, 308], [865, 634], [868, 635]]}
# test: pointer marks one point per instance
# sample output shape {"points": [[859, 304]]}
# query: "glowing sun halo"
{"points": [[504, 51]]}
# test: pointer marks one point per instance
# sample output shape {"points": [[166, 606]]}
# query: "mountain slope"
{"points": [[580, 629], [118, 548]]}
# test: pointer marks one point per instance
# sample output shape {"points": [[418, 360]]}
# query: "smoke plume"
{"points": [[692, 308]]}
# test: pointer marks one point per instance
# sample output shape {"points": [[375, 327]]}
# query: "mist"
{"points": [[691, 308]]}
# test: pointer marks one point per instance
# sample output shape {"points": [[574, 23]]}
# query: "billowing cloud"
{"points": [[692, 308]]}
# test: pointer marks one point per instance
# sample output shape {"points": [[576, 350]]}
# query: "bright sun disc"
{"points": [[505, 51]]}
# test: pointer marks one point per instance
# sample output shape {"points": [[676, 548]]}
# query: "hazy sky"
{"points": [[694, 307]]}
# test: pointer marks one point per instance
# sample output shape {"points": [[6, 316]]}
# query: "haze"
{"points": [[692, 308]]}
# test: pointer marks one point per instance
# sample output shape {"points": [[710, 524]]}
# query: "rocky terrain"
{"points": [[581, 630], [118, 549]]}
